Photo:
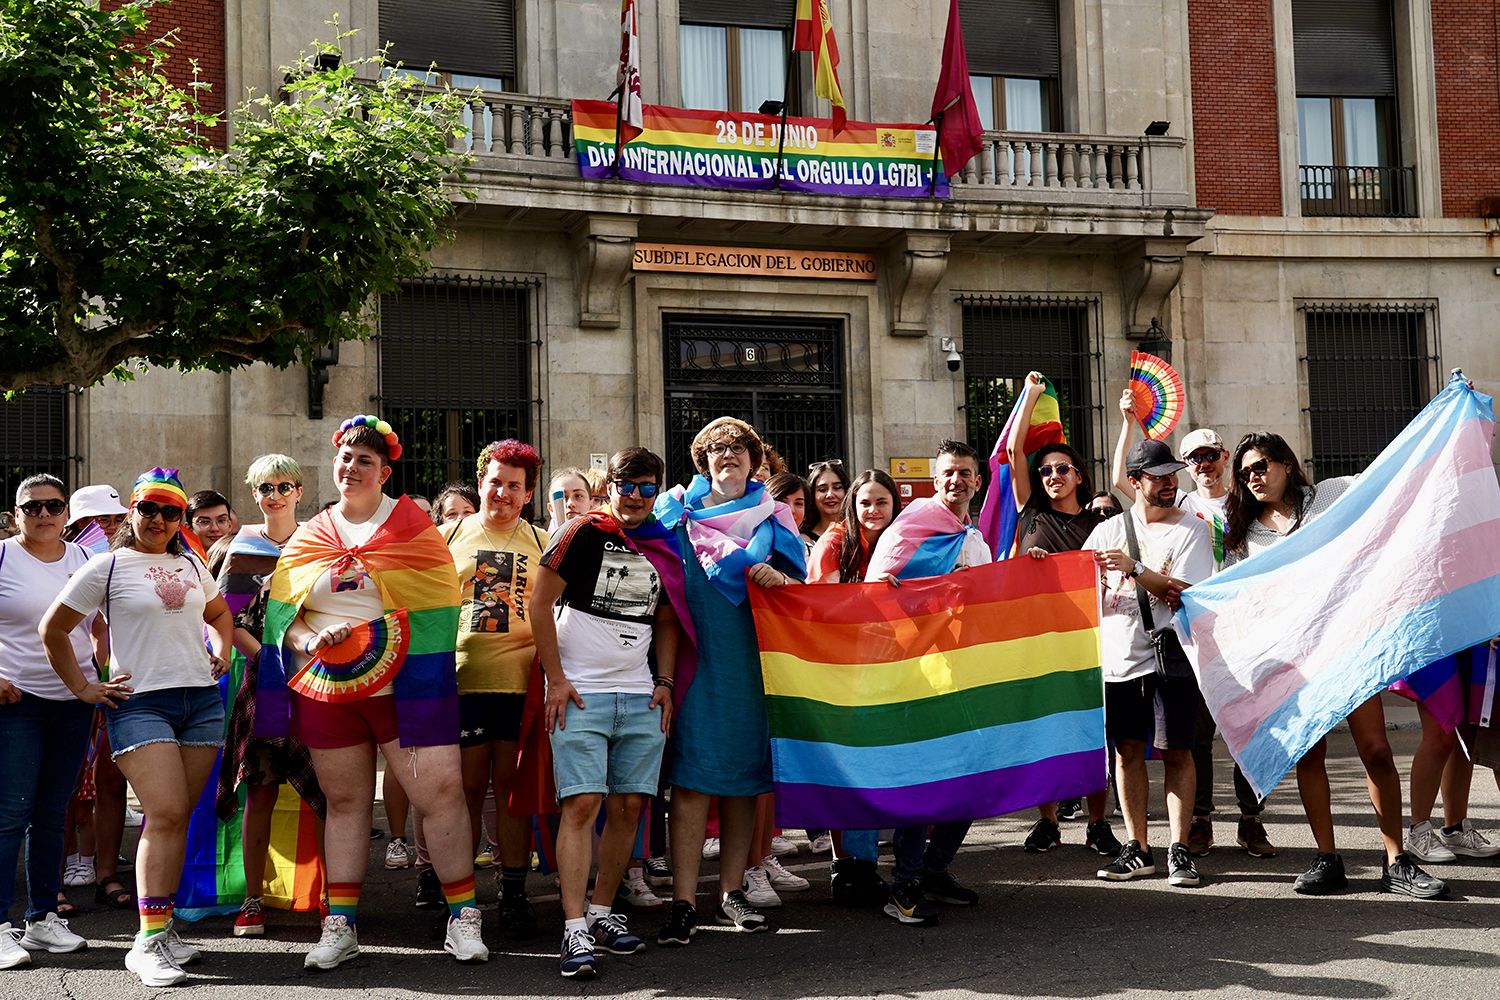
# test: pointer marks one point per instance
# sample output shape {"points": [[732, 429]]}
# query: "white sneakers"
{"points": [[11, 952], [780, 878], [463, 940], [781, 847], [1425, 844], [821, 844], [637, 894], [151, 959], [51, 934], [758, 888], [397, 854], [711, 847], [1469, 842], [337, 945], [182, 952], [79, 870]]}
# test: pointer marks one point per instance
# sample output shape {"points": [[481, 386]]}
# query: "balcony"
{"points": [[1358, 192], [1036, 186]]}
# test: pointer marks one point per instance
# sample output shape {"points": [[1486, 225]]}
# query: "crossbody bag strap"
{"points": [[1134, 549]]}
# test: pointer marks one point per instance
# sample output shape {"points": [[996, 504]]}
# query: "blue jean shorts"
{"points": [[613, 744], [187, 716]]}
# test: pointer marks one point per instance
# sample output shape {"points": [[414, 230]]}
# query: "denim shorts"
{"points": [[187, 716], [613, 744]]}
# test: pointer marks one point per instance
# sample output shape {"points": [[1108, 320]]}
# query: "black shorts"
{"points": [[1150, 708], [489, 718]]}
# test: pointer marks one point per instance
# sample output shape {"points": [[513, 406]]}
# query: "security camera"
{"points": [[953, 358]]}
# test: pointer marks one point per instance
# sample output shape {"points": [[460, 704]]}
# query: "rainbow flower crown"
{"points": [[392, 442]]}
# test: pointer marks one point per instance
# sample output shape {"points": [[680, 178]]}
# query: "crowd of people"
{"points": [[439, 634]]}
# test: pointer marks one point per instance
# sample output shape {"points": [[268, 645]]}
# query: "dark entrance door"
{"points": [[785, 375]]}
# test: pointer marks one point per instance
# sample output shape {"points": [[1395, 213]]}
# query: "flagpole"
{"points": [[620, 124], [786, 99], [937, 146]]}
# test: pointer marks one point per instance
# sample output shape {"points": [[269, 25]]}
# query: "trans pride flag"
{"points": [[964, 696], [998, 518], [1401, 571]]}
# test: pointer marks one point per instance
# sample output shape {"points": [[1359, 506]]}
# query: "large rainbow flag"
{"points": [[958, 697], [1401, 571], [998, 518]]}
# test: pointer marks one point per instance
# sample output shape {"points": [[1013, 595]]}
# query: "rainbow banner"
{"points": [[958, 697], [1401, 571], [722, 149], [998, 518]]}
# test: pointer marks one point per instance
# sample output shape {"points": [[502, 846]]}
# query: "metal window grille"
{"points": [[34, 436], [1007, 336], [455, 373], [785, 376], [1370, 369]]}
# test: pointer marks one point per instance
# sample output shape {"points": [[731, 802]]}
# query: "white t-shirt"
{"points": [[1206, 507], [28, 587], [155, 612], [351, 596], [975, 551], [1181, 547]]}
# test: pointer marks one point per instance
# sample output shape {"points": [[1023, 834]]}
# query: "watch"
{"points": [[1135, 569]]}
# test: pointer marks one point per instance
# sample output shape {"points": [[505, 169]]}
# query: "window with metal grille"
{"points": [[34, 438], [455, 374], [785, 376], [1007, 336], [1370, 370]]}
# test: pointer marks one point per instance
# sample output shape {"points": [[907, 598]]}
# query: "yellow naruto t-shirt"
{"points": [[497, 571]]}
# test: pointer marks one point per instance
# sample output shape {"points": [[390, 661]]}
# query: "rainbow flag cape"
{"points": [[1401, 571], [998, 518], [960, 697], [414, 570], [924, 540]]}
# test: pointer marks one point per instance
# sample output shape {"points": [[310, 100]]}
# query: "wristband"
{"points": [[307, 644], [665, 682]]}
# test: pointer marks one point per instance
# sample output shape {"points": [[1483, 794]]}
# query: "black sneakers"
{"points": [[737, 912], [1101, 837], [517, 916], [944, 888], [1132, 862], [1180, 868], [1325, 875], [1070, 810], [857, 882], [1405, 877], [681, 925], [907, 905], [1044, 836], [430, 891]]}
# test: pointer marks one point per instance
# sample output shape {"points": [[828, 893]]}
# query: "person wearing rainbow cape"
{"points": [[358, 654], [165, 718]]}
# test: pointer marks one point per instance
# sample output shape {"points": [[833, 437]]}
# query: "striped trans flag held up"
{"points": [[1401, 571], [956, 697]]}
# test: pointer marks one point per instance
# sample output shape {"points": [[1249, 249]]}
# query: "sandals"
{"points": [[65, 908], [116, 899]]}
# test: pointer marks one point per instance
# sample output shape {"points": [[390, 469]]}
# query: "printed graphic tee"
{"points": [[496, 571]]}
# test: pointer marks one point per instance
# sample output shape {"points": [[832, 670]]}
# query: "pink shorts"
{"points": [[326, 725]]}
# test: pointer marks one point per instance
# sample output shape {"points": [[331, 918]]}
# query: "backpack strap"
{"points": [[1133, 547]]}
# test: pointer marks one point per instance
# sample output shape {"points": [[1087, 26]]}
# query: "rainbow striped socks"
{"points": [[459, 895], [155, 912], [343, 900]]}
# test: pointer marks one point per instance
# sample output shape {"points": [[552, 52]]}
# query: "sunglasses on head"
{"points": [[150, 508], [266, 489], [1254, 469], [831, 463], [626, 488], [1061, 468], [34, 508], [1203, 457]]}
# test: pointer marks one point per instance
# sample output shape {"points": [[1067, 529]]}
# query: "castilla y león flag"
{"points": [[814, 33], [954, 697]]}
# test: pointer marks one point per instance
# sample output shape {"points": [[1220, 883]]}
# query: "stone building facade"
{"points": [[1067, 243]]}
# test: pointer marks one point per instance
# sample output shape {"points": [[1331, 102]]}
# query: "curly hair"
{"points": [[727, 430], [511, 452]]}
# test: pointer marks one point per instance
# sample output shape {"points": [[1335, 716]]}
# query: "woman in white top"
{"points": [[165, 719], [1270, 498], [43, 728]]}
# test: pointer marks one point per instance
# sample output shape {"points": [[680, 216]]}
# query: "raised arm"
{"points": [[1015, 445], [1122, 446]]}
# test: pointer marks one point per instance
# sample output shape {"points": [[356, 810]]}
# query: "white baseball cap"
{"points": [[1201, 438], [94, 501]]}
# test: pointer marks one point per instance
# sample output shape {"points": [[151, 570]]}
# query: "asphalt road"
{"points": [[1044, 928]]}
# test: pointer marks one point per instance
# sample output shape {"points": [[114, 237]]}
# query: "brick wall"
{"points": [[200, 36], [1236, 150], [1466, 49]]}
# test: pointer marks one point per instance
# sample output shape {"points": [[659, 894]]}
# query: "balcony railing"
{"points": [[1365, 192], [1012, 166]]}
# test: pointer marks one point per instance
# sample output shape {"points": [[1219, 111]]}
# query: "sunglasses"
{"points": [[1254, 469], [1203, 457], [34, 508], [626, 488], [1061, 468], [266, 489], [150, 508], [832, 463]]}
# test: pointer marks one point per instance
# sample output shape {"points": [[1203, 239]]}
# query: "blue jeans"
{"points": [[612, 745], [43, 745], [918, 854]]}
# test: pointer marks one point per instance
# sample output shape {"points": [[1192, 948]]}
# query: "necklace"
{"points": [[278, 543], [508, 538]]}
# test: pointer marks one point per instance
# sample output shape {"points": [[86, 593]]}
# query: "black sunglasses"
{"points": [[150, 508], [829, 463], [1254, 469], [34, 508], [1061, 468], [1203, 456], [626, 488], [266, 489]]}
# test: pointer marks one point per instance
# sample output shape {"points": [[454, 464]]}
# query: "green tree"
{"points": [[126, 237]]}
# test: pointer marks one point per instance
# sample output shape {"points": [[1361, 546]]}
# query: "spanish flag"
{"points": [[814, 33]]}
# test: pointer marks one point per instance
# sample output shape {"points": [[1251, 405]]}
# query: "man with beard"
{"points": [[1175, 550]]}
